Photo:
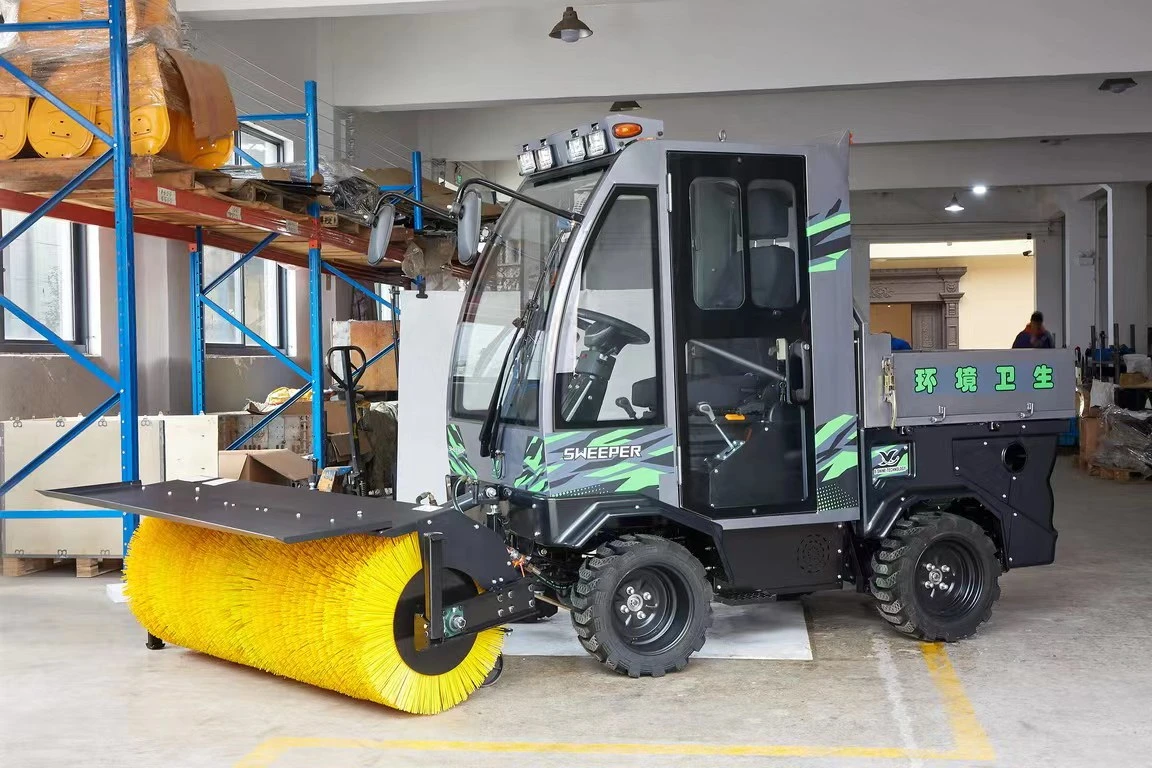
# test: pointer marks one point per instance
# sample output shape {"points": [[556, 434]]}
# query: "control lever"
{"points": [[622, 402], [706, 410]]}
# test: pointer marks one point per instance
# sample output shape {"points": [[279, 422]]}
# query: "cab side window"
{"points": [[608, 359], [717, 243]]}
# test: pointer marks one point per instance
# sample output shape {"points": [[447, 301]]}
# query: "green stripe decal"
{"points": [[623, 466], [639, 480], [838, 220], [662, 451], [557, 436], [828, 263], [826, 432], [841, 463], [613, 437]]}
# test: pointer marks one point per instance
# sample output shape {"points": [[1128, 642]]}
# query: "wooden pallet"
{"points": [[86, 567], [1116, 475], [45, 176]]}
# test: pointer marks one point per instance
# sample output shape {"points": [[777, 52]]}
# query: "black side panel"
{"points": [[571, 523], [793, 558], [1005, 467]]}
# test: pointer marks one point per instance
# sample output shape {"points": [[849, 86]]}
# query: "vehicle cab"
{"points": [[639, 332]]}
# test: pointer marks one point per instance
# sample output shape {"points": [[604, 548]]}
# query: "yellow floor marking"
{"points": [[970, 741], [967, 733]]}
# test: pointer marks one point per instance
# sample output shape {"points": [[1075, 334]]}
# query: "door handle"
{"points": [[802, 352]]}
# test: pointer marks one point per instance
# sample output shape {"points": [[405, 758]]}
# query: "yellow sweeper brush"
{"points": [[332, 613], [383, 601]]}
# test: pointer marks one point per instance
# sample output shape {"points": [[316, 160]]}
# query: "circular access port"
{"points": [[1015, 457]]}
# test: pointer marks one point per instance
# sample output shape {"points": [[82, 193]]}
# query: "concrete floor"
{"points": [[1060, 678]]}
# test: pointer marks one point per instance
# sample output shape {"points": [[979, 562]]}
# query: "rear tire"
{"points": [[642, 606], [935, 577]]}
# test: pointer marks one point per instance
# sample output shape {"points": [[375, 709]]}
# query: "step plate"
{"points": [[256, 509]]}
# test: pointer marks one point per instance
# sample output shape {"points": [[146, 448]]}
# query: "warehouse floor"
{"points": [[1058, 679]]}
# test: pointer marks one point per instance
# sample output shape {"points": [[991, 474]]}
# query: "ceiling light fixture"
{"points": [[954, 205], [624, 106], [570, 29], [979, 189], [1117, 84]]}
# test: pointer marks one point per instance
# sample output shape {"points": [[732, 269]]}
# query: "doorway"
{"points": [[895, 319]]}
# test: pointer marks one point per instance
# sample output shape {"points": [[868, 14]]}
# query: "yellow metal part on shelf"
{"points": [[13, 125], [151, 128], [154, 19], [201, 153], [54, 134]]}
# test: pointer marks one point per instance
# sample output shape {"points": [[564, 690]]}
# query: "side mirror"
{"points": [[381, 234], [468, 228]]}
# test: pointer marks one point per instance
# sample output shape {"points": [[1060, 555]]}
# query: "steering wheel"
{"points": [[613, 328]]}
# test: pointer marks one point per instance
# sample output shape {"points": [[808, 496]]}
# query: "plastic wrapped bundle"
{"points": [[147, 20], [1126, 440], [165, 119]]}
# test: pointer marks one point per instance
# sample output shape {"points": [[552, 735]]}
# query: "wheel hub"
{"points": [[937, 578], [949, 579], [636, 605]]}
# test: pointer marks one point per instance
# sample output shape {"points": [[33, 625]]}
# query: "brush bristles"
{"points": [[319, 612]]}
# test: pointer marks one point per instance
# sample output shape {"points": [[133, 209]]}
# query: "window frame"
{"points": [[79, 333], [229, 349], [658, 416], [278, 141]]}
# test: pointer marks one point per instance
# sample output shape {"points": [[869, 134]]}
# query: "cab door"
{"points": [[742, 334]]}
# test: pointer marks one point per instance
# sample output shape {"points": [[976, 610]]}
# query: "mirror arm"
{"points": [[570, 215], [439, 213]]}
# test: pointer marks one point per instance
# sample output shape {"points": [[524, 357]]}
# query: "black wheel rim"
{"points": [[949, 579], [651, 609]]}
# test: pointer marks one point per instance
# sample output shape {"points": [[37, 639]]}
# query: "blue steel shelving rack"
{"points": [[119, 155], [125, 386]]}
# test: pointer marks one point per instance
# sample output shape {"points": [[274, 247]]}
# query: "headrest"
{"points": [[768, 212]]}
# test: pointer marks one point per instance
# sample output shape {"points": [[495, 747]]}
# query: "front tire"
{"points": [[935, 577], [642, 606]]}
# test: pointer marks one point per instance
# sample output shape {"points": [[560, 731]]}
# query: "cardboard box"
{"points": [[1089, 436], [1133, 379], [341, 442], [372, 336], [275, 467]]}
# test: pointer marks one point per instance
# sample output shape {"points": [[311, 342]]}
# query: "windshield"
{"points": [[526, 242]]}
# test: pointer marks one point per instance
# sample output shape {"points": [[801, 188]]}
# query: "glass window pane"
{"points": [[261, 305], [252, 296], [607, 362], [39, 276], [717, 243], [227, 295], [265, 149], [772, 251]]}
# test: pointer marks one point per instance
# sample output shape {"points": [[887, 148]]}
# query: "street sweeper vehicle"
{"points": [[660, 395]]}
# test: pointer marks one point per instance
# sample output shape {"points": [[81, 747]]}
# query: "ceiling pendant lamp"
{"points": [[954, 205], [570, 29]]}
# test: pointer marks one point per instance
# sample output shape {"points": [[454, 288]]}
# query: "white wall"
{"points": [[956, 165], [492, 55], [948, 111]]}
